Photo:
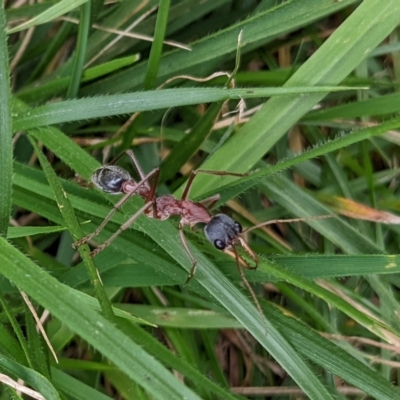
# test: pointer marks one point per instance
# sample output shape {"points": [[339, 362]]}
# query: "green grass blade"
{"points": [[184, 150], [83, 109], [6, 148], [74, 388], [28, 11], [59, 9], [22, 231], [17, 331], [157, 45], [371, 323], [383, 105], [58, 85], [80, 50], [71, 222], [30, 377]]}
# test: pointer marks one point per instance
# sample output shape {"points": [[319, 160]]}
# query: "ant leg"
{"points": [[122, 228], [210, 202], [247, 284], [204, 171], [192, 259], [151, 196], [250, 252], [134, 160], [241, 260], [116, 207]]}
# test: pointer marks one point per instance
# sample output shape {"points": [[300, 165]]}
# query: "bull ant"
{"points": [[221, 230]]}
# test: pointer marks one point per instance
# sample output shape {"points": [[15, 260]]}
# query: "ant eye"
{"points": [[219, 244], [238, 228]]}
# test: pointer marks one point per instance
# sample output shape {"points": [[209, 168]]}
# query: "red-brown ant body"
{"points": [[221, 230]]}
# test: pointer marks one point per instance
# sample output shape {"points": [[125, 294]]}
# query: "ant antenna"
{"points": [[163, 123], [288, 220]]}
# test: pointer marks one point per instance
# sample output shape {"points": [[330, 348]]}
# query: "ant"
{"points": [[221, 230]]}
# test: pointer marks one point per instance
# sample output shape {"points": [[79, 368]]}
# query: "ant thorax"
{"points": [[191, 213]]}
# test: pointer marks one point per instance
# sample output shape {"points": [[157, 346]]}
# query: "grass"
{"points": [[318, 135]]}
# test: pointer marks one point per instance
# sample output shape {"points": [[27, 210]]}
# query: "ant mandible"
{"points": [[221, 230]]}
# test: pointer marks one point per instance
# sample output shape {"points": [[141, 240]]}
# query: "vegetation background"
{"points": [[312, 108]]}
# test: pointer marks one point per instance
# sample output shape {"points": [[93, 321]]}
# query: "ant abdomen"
{"points": [[222, 231], [110, 179]]}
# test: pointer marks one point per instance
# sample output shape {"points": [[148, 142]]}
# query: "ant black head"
{"points": [[110, 178], [222, 231]]}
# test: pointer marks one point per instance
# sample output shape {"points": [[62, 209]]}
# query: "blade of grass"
{"points": [[17, 330], [6, 147], [61, 8], [80, 50], [22, 231], [74, 388], [186, 147], [175, 362], [30, 377], [100, 107], [71, 222], [157, 45], [382, 105], [58, 85], [371, 323]]}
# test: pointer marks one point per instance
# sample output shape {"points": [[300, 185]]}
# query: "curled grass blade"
{"points": [[30, 377], [59, 9]]}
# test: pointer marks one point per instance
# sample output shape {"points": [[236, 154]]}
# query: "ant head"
{"points": [[222, 231], [110, 179]]}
